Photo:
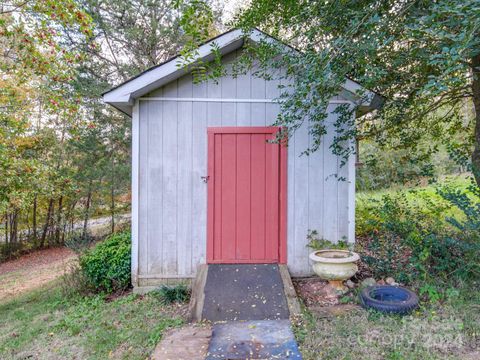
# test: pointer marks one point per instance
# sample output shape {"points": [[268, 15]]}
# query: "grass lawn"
{"points": [[43, 324], [424, 198], [419, 195], [446, 330]]}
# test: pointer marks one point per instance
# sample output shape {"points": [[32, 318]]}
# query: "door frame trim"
{"points": [[282, 216]]}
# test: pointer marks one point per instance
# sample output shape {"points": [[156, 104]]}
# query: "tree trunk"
{"points": [[87, 209], [6, 228], [58, 225], [47, 224], [70, 217], [34, 219], [476, 103], [13, 226], [51, 229]]}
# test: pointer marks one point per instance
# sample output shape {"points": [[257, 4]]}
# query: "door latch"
{"points": [[205, 178]]}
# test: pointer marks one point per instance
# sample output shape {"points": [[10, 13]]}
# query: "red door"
{"points": [[246, 196]]}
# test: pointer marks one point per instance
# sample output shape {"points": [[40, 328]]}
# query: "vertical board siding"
{"points": [[170, 181], [135, 192], [199, 169], [258, 91], [172, 151], [185, 184], [244, 91], [143, 206], [258, 205], [243, 182], [155, 180], [301, 194]]}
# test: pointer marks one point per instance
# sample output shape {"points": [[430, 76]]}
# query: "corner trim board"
{"points": [[135, 190]]}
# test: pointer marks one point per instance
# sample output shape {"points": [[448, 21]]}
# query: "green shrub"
{"points": [[417, 241], [385, 165], [173, 294], [79, 242], [12, 250], [317, 243], [107, 266]]}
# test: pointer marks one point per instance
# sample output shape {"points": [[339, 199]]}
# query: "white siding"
{"points": [[172, 209]]}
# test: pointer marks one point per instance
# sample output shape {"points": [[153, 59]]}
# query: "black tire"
{"points": [[389, 299]]}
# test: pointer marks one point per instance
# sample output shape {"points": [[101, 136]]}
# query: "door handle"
{"points": [[205, 178]]}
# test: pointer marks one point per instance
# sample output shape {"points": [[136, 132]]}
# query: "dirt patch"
{"points": [[33, 270], [315, 292], [321, 299], [35, 259]]}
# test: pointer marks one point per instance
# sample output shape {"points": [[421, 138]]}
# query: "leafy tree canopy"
{"points": [[423, 56]]}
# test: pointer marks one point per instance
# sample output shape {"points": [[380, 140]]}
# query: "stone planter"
{"points": [[335, 266]]}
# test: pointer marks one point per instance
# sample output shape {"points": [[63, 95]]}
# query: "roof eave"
{"points": [[151, 79], [123, 96], [366, 100]]}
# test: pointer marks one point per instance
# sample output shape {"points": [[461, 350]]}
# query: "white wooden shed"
{"points": [[206, 185]]}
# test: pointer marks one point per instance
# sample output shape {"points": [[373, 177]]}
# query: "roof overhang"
{"points": [[123, 96]]}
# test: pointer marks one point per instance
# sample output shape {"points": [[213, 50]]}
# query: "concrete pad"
{"points": [[244, 292], [187, 343], [261, 339]]}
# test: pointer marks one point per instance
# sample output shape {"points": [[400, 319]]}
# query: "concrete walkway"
{"points": [[249, 310], [244, 292]]}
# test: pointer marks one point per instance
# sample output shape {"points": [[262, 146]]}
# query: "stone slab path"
{"points": [[187, 343], [260, 339]]}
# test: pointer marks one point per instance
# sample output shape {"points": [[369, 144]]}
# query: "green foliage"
{"points": [[422, 56], [386, 166], [316, 243], [430, 291], [11, 250], [107, 267], [173, 294], [78, 242], [415, 242], [75, 283], [64, 154]]}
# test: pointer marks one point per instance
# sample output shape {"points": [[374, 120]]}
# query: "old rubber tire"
{"points": [[389, 299]]}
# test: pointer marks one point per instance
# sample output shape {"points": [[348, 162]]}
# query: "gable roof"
{"points": [[123, 95]]}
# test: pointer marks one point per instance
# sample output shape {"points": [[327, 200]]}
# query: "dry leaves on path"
{"points": [[32, 270]]}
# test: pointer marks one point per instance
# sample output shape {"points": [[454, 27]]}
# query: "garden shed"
{"points": [[207, 186]]}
